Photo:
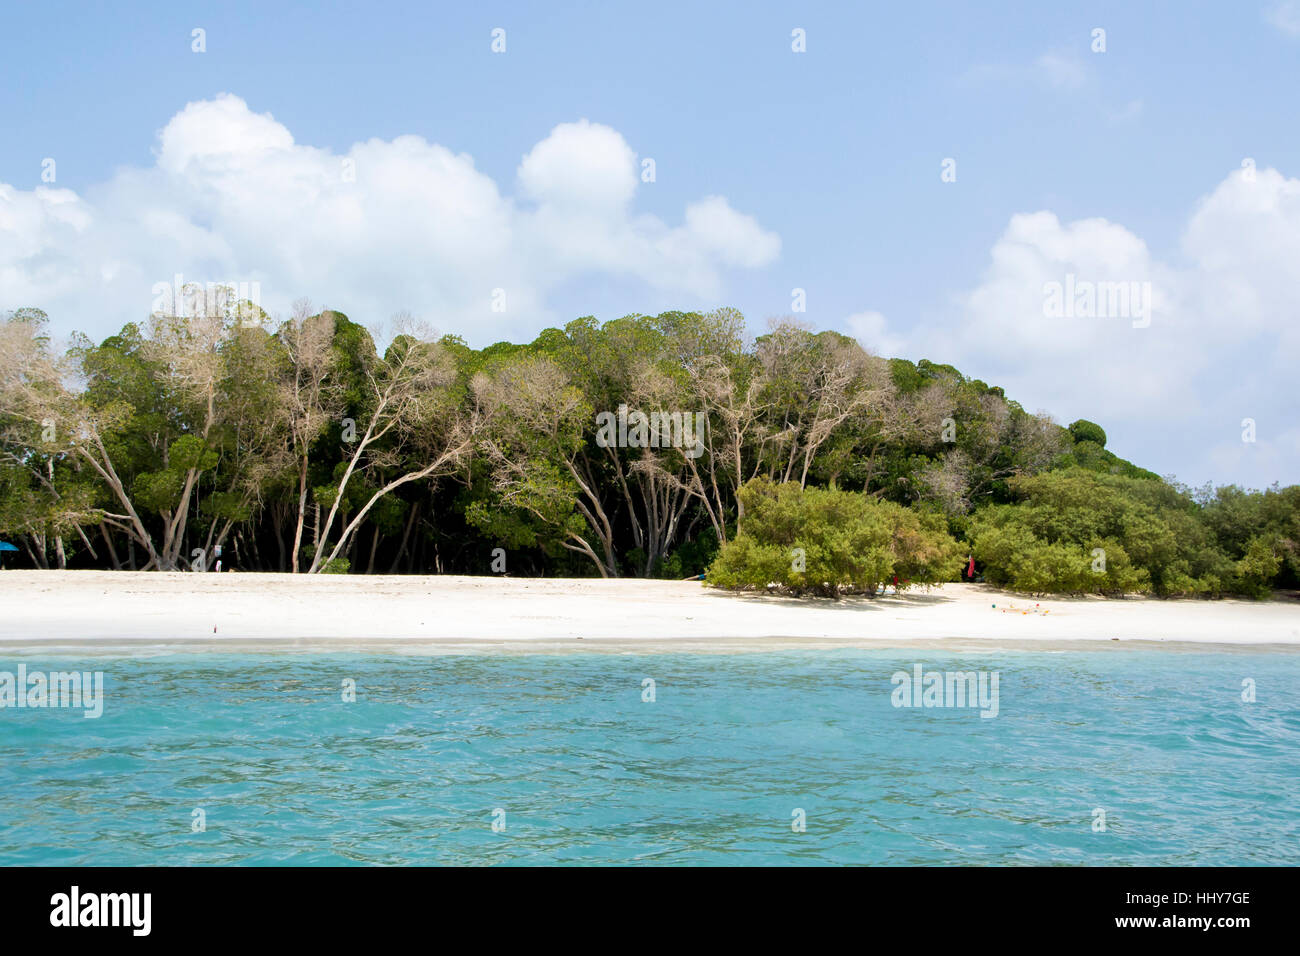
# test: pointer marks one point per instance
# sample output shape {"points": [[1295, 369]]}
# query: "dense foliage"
{"points": [[832, 542], [647, 446], [1081, 531]]}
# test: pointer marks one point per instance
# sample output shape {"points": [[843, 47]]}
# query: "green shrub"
{"points": [[1254, 529], [689, 559], [1084, 430], [1255, 570], [337, 566], [1077, 531], [831, 542]]}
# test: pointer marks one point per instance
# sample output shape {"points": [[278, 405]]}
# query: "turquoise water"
{"points": [[710, 772]]}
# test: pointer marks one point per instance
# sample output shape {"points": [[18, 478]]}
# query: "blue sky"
{"points": [[825, 167]]}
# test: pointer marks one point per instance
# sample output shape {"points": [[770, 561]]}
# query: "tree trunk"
{"points": [[38, 554], [302, 513], [406, 536], [282, 563], [112, 552]]}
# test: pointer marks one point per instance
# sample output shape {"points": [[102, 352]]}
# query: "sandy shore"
{"points": [[45, 608]]}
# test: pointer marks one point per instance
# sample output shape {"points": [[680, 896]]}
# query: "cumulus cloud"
{"points": [[583, 165], [1218, 345], [389, 225]]}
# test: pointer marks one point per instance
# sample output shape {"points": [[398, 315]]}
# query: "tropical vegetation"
{"points": [[794, 459]]}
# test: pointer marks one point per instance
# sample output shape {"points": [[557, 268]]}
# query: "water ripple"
{"points": [[710, 772]]}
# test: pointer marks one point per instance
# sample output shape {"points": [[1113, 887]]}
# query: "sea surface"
{"points": [[1116, 756]]}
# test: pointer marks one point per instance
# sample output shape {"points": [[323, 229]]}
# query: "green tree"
{"points": [[832, 542], [1084, 430], [1079, 531]]}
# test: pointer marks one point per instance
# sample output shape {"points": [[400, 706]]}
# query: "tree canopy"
{"points": [[662, 445]]}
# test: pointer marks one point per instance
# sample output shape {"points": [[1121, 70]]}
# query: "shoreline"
{"points": [[177, 612]]}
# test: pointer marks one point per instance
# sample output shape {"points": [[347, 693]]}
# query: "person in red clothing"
{"points": [[970, 567]]}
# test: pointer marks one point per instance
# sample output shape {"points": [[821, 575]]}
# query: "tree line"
{"points": [[635, 447]]}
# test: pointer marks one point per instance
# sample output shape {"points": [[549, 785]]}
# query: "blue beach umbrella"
{"points": [[6, 546]]}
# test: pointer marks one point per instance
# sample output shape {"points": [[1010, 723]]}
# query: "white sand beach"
{"points": [[45, 608]]}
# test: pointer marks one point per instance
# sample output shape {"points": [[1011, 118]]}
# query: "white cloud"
{"points": [[214, 131], [1061, 70], [232, 198], [581, 164], [1285, 16], [871, 331], [1222, 343], [1274, 455]]}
